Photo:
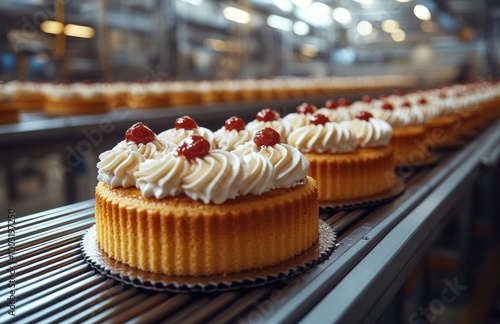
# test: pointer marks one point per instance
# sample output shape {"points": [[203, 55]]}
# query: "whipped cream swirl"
{"points": [[117, 167], [327, 138], [291, 166], [178, 135], [283, 128], [229, 140], [372, 133]]}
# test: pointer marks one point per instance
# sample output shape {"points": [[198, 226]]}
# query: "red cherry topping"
{"points": [[366, 98], [364, 115], [344, 102], [422, 101], [195, 146], [234, 123], [139, 134], [318, 119], [267, 115], [406, 104], [331, 104], [267, 137], [185, 122], [387, 106], [306, 108]]}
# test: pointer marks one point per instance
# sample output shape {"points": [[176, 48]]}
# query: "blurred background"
{"points": [[131, 40], [431, 41]]}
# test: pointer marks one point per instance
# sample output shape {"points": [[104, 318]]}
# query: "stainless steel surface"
{"points": [[377, 248]]}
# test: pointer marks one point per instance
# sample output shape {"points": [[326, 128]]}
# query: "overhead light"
{"points": [[279, 22], [342, 16], [389, 25], [403, 1], [302, 3], [422, 12], [317, 15], [301, 28], [398, 35], [309, 50], [429, 26], [283, 5], [236, 15], [364, 28], [78, 31], [194, 2], [52, 27]]}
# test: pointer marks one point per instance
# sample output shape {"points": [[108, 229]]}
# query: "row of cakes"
{"points": [[99, 97], [191, 201]]}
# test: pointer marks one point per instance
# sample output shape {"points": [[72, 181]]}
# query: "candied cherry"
{"points": [[331, 104], [366, 99], [318, 119], [234, 123], [364, 115], [185, 122], [306, 108], [195, 146], [267, 114], [406, 104], [267, 137], [344, 102], [139, 134], [387, 106], [422, 101]]}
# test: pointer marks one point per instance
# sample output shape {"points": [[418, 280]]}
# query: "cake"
{"points": [[232, 134], [27, 95], [148, 95], [408, 130], [9, 113], [343, 169], [75, 99], [198, 211]]}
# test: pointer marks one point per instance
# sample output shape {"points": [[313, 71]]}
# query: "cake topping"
{"points": [[387, 106], [344, 102], [193, 147], [234, 123], [306, 108], [422, 101], [406, 104], [364, 115], [267, 137], [366, 99], [139, 134], [267, 115], [185, 122], [331, 104], [318, 119]]}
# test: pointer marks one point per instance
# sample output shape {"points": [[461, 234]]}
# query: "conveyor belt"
{"points": [[53, 283]]}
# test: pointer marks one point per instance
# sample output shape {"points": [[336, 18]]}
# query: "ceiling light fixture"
{"points": [[422, 12], [236, 15], [301, 28], [280, 22], [342, 16]]}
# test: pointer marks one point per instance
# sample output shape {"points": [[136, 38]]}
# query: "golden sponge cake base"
{"points": [[358, 174], [179, 236]]}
